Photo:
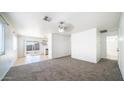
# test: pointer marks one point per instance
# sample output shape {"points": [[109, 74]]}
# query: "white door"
{"points": [[112, 47]]}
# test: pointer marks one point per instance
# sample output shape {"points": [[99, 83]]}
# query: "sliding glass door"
{"points": [[32, 48]]}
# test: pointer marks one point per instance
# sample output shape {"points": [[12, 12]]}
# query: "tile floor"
{"points": [[30, 59]]}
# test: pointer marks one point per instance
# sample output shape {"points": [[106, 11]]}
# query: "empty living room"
{"points": [[61, 46]]}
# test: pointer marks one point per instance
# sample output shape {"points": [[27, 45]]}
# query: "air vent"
{"points": [[103, 31]]}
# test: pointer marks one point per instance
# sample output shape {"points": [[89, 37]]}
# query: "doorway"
{"points": [[112, 47], [35, 51]]}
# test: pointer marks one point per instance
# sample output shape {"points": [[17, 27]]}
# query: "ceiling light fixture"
{"points": [[46, 18], [61, 27]]}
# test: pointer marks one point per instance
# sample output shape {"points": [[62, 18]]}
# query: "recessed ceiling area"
{"points": [[32, 23]]}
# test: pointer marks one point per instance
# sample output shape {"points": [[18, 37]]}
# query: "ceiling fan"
{"points": [[61, 26], [65, 27]]}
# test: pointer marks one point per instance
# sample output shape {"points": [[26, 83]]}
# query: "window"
{"points": [[1, 39], [29, 48], [32, 46], [37, 46]]}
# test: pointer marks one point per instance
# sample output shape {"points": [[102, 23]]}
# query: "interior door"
{"points": [[112, 47]]}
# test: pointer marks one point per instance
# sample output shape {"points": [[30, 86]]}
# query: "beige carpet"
{"points": [[66, 69]]}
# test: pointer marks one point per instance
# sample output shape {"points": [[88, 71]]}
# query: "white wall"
{"points": [[84, 45], [21, 45], [121, 45], [50, 46], [9, 58], [60, 45], [103, 42], [98, 45]]}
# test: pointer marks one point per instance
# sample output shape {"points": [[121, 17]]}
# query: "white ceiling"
{"points": [[32, 23]]}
